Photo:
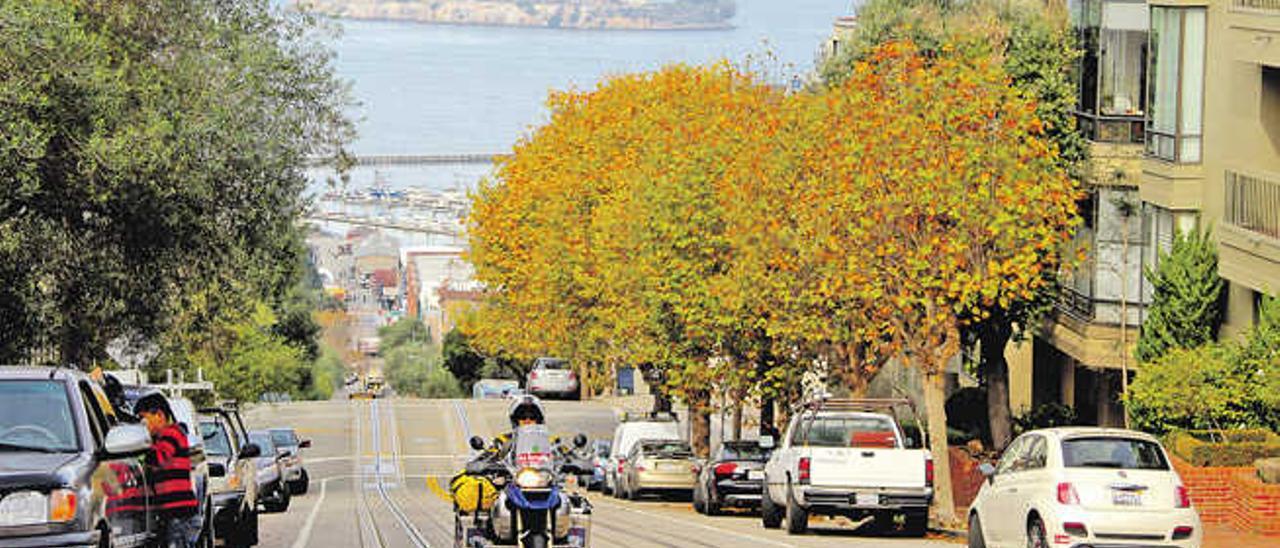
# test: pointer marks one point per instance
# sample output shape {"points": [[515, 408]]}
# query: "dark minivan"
{"points": [[70, 474]]}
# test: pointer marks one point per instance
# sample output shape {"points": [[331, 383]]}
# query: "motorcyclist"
{"points": [[525, 410]]}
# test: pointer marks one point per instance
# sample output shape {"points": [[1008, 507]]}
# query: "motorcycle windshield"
{"points": [[533, 447]]}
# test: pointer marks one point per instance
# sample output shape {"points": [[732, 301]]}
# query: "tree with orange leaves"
{"points": [[947, 201]]}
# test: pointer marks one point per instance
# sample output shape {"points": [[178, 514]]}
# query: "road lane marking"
{"points": [[752, 538], [322, 460], [305, 536]]}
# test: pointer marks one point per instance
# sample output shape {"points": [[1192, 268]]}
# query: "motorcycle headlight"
{"points": [[34, 508], [528, 478]]}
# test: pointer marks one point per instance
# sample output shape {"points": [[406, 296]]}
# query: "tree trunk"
{"points": [[767, 425], [737, 421], [858, 381], [935, 399], [994, 339], [657, 387], [700, 434]]}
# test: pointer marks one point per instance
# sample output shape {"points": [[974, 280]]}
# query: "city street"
{"points": [[371, 463]]}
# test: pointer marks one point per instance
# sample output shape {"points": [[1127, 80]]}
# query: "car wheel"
{"points": [[104, 540], [245, 533], [632, 493], [770, 514], [697, 500], [303, 484], [797, 516], [712, 507], [976, 539], [279, 502], [1035, 533]]}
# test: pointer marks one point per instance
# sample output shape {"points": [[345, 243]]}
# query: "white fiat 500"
{"points": [[1083, 487]]}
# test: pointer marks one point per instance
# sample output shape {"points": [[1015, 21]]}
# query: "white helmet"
{"points": [[526, 406]]}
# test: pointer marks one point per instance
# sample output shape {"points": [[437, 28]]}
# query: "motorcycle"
{"points": [[532, 510]]}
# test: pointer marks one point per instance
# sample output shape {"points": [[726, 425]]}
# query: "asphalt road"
{"points": [[371, 461]]}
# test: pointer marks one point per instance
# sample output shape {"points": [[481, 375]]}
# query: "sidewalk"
{"points": [[1221, 535]]}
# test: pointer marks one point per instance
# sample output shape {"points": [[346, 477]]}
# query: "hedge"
{"points": [[1237, 448]]}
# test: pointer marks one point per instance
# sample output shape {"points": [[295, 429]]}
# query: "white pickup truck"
{"points": [[847, 458]]}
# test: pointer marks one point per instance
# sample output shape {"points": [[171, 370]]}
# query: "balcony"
{"points": [[1265, 6], [1112, 129], [1253, 201]]}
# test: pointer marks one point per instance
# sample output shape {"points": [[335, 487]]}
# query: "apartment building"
{"points": [[1197, 146], [1213, 156]]}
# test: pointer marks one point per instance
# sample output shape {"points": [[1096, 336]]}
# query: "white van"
{"points": [[650, 426]]}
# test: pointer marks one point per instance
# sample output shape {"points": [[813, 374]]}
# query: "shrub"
{"points": [[1046, 415], [1190, 389], [1224, 448]]}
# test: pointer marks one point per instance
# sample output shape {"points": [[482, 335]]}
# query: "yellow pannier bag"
{"points": [[470, 492]]}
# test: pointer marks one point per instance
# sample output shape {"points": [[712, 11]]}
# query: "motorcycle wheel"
{"points": [[534, 541]]}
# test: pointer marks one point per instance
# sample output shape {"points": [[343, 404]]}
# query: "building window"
{"points": [[1177, 83], [1113, 38]]}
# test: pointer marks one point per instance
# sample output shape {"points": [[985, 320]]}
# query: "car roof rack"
{"points": [[649, 416], [856, 404]]}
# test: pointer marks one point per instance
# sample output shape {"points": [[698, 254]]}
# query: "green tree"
{"points": [[1185, 309], [461, 359], [153, 157]]}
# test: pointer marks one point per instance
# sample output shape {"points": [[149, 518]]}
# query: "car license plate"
{"points": [[1126, 498], [670, 466], [755, 474], [866, 499]]}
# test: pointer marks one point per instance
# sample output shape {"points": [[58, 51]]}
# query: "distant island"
{"points": [[569, 14]]}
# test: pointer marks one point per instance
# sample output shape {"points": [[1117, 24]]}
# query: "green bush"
{"points": [[1224, 448], [1047, 415]]}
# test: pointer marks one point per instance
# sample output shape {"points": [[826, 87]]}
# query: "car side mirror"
{"points": [[127, 440], [767, 442], [477, 443], [304, 444], [285, 453], [987, 470], [580, 441], [250, 451], [217, 470]]}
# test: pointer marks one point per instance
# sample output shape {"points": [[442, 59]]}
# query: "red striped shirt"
{"points": [[171, 489]]}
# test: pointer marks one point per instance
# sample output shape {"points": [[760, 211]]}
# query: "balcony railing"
{"points": [[1253, 202], [1257, 5], [1075, 304], [1111, 129]]}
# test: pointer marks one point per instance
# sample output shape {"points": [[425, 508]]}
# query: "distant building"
{"points": [[377, 251], [425, 270]]}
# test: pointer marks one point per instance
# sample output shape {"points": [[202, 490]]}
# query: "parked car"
{"points": [[664, 467], [1083, 486], [552, 377], [655, 426], [290, 447], [485, 389], [232, 476], [599, 461], [847, 458], [70, 473], [188, 420], [273, 491], [733, 477]]}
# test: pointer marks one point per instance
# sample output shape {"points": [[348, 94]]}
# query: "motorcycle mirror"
{"points": [[477, 443], [580, 441]]}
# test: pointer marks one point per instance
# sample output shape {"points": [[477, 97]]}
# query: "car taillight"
{"points": [[1182, 498], [640, 467], [928, 472], [572, 375], [533, 375], [1067, 494], [620, 463], [1182, 532], [804, 470], [726, 468]]}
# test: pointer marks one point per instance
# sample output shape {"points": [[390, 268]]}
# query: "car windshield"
{"points": [[666, 448], [284, 438], [1104, 452], [36, 416], [215, 439], [743, 452], [263, 441], [862, 432], [553, 364]]}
